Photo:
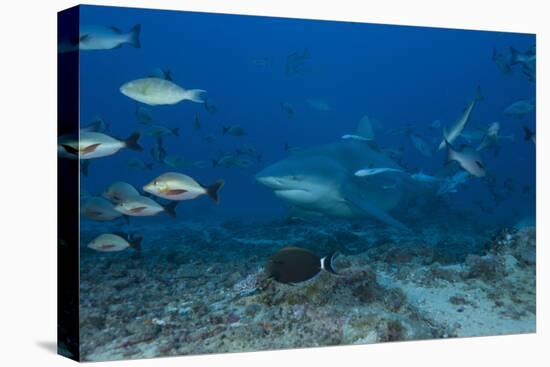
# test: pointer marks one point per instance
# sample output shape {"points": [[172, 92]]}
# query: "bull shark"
{"points": [[321, 179]]}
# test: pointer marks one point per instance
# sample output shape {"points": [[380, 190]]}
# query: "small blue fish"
{"points": [[374, 171], [96, 37]]}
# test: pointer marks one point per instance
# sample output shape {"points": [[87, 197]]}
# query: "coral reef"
{"points": [[201, 288]]}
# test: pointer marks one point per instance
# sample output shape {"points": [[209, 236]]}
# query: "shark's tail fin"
{"points": [[133, 37], [364, 128]]}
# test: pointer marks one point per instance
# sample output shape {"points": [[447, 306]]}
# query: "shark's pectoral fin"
{"points": [[373, 211]]}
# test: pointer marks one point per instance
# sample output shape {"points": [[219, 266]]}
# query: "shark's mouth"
{"points": [[290, 191], [298, 196]]}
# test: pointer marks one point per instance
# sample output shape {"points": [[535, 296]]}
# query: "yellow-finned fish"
{"points": [[98, 208], [177, 186], [120, 191], [95, 145], [156, 91], [142, 206], [110, 242]]}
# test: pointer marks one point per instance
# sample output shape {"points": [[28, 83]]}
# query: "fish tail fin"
{"points": [[479, 96], [327, 263], [134, 36], [514, 56], [176, 131], [194, 95], [527, 133], [213, 190], [135, 242], [445, 135], [170, 208], [132, 142], [70, 149], [85, 166]]}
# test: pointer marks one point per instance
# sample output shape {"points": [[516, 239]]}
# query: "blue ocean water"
{"points": [[396, 75]]}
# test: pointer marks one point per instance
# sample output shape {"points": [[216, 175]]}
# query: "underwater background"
{"points": [[465, 267]]}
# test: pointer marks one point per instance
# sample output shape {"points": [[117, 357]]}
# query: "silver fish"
{"points": [[96, 37], [177, 186], [143, 115], [161, 130], [97, 125], [110, 242], [234, 130], [142, 206], [520, 108], [100, 209], [120, 191], [155, 91], [375, 171], [96, 145]]}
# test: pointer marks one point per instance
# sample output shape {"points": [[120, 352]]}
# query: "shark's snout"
{"points": [[269, 181]]}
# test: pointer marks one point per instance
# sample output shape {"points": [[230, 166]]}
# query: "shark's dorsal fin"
{"points": [[372, 211], [364, 128]]}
